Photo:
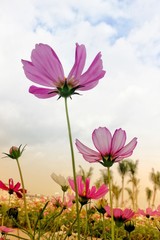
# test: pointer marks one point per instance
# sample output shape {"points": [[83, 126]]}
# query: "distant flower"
{"points": [[60, 180], [46, 69], [15, 152], [4, 229], [12, 188], [120, 216], [110, 148], [148, 212], [86, 193]]}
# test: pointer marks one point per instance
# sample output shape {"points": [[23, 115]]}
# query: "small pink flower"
{"points": [[120, 216], [12, 188], [46, 69], [110, 148], [85, 192], [5, 229], [148, 212]]}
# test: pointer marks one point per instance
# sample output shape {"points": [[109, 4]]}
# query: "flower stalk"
{"points": [[24, 196], [111, 204], [73, 166]]}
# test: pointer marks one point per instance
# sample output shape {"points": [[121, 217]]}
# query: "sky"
{"points": [[127, 33]]}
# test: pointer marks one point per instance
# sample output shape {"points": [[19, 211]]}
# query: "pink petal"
{"points": [[16, 187], [117, 212], [19, 195], [35, 75], [45, 67], [127, 150], [118, 140], [80, 185], [11, 183], [80, 58], [45, 59], [91, 192], [71, 182], [42, 92], [102, 140], [6, 229], [3, 186], [87, 184], [94, 73], [100, 192], [88, 154]]}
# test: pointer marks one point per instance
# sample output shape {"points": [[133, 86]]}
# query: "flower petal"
{"points": [[80, 58], [88, 154], [19, 195], [45, 68], [80, 185], [71, 183], [42, 92], [35, 75], [16, 187], [11, 183], [102, 140], [94, 73], [3, 186], [118, 140], [128, 149], [102, 190], [87, 186]]}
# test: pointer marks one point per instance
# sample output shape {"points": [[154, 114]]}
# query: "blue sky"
{"points": [[128, 35]]}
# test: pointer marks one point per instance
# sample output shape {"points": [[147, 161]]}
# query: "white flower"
{"points": [[60, 180]]}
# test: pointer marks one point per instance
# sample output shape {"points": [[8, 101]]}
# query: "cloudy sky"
{"points": [[128, 35]]}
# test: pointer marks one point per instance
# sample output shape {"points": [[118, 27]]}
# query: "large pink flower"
{"points": [[46, 69], [85, 192], [110, 148], [12, 188]]}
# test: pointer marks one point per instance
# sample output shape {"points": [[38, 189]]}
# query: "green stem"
{"points": [[86, 225], [24, 196], [73, 167], [73, 223], [104, 228], [111, 204]]}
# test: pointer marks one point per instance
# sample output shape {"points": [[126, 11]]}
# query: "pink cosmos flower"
{"points": [[12, 188], [46, 69], [148, 212], [120, 216], [110, 148], [85, 192]]}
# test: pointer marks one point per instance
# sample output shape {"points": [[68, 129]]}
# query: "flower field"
{"points": [[55, 221], [84, 211]]}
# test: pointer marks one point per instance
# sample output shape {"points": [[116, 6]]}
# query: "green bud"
{"points": [[15, 152]]}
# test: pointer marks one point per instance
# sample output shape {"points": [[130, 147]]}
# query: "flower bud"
{"points": [[15, 152]]}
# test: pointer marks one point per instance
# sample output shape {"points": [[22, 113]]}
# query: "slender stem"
{"points": [[24, 196], [111, 204], [104, 228], [129, 236], [86, 225], [73, 223], [73, 166]]}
